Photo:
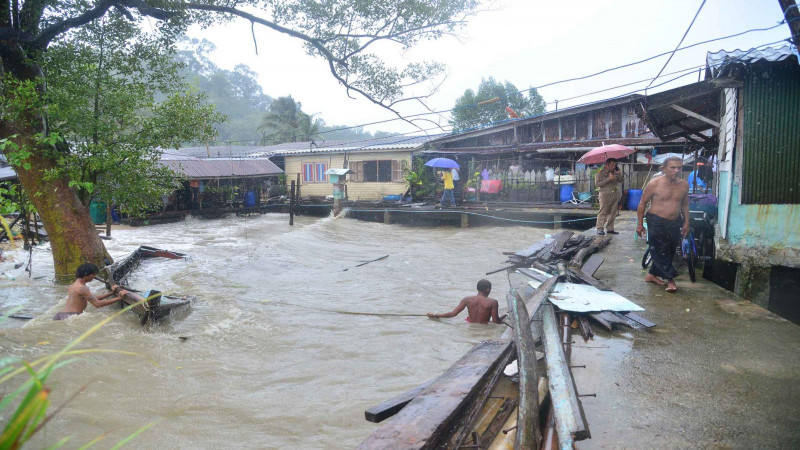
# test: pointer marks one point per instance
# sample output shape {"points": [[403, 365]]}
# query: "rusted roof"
{"points": [[195, 168], [387, 143]]}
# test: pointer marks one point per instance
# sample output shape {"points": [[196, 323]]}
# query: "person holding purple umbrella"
{"points": [[447, 195]]}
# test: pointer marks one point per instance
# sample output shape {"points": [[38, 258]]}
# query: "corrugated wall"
{"points": [[771, 135]]}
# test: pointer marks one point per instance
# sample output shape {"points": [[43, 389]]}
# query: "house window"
{"points": [[382, 171], [314, 172]]}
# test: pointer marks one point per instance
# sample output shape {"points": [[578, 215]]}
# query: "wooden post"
{"points": [[528, 436], [557, 221], [108, 219], [291, 204], [387, 217], [464, 221]]}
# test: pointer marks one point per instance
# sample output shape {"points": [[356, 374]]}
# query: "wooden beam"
{"points": [[388, 408], [570, 423], [452, 401], [527, 434], [691, 113]]}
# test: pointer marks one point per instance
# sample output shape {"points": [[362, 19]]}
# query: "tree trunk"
{"points": [[72, 235]]}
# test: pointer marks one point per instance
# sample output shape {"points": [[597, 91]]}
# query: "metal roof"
{"points": [[195, 168], [719, 63], [383, 143]]}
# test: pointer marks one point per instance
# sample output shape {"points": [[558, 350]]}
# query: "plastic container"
{"points": [[249, 199], [97, 210], [634, 196], [566, 192], [391, 198]]}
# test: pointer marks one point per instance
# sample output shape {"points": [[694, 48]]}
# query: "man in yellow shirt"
{"points": [[447, 177]]}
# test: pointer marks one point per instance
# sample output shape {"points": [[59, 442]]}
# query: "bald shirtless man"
{"points": [[669, 198], [79, 295], [480, 308]]}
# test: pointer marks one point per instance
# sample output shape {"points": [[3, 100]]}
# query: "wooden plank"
{"points": [[534, 275], [535, 248], [635, 317], [437, 414], [589, 280], [628, 321], [599, 319], [691, 113], [592, 264], [569, 421], [496, 425], [388, 408], [558, 244], [528, 411], [598, 243]]}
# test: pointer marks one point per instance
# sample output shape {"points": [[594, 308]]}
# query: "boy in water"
{"points": [[480, 308], [79, 295]]}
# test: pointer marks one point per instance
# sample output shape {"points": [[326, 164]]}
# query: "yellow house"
{"points": [[376, 165]]}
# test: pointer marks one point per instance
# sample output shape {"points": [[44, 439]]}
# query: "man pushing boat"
{"points": [[79, 295], [480, 308]]}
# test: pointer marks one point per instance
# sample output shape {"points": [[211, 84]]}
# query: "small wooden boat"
{"points": [[157, 306]]}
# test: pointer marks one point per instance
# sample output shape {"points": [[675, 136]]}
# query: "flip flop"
{"points": [[668, 289]]}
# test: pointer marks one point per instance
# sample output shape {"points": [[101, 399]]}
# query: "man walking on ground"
{"points": [[669, 198], [79, 295], [447, 177], [607, 181], [480, 308]]}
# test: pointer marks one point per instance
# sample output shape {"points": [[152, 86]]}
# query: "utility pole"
{"points": [[792, 16]]}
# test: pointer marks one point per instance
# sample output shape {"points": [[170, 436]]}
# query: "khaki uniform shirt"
{"points": [[605, 183]]}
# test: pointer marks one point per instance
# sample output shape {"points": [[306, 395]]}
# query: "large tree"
{"points": [[343, 32], [116, 98], [488, 105]]}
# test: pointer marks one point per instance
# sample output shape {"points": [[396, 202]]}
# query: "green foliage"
{"points": [[286, 122], [102, 87], [420, 179], [468, 114]]}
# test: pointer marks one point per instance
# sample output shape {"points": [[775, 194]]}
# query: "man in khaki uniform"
{"points": [[607, 181]]}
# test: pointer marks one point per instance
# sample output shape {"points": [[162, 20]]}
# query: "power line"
{"points": [[679, 43]]}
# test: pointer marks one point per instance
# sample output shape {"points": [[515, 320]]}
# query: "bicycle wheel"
{"points": [[690, 255], [647, 258]]}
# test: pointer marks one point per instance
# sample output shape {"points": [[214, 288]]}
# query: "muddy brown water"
{"points": [[254, 371]]}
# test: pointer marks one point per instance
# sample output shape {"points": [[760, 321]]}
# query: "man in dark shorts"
{"points": [[79, 295], [669, 199], [480, 307]]}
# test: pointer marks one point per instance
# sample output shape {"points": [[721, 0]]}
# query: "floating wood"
{"points": [[367, 262], [388, 408], [570, 424], [435, 418]]}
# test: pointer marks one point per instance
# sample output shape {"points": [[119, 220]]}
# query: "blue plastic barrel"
{"points": [[634, 196], [566, 192], [249, 199]]}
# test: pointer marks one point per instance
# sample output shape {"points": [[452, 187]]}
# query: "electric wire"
{"points": [[679, 43]]}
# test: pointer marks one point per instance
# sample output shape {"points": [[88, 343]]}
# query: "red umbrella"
{"points": [[599, 155]]}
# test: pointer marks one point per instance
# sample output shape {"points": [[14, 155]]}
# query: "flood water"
{"points": [[266, 363]]}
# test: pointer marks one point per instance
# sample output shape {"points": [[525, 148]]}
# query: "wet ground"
{"points": [[716, 372]]}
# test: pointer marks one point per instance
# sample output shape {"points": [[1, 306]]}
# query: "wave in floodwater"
{"points": [[261, 360]]}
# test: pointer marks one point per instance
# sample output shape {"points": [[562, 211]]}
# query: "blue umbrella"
{"points": [[442, 163]]}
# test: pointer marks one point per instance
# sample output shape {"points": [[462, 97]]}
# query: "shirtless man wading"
{"points": [[480, 307], [669, 198], [79, 295]]}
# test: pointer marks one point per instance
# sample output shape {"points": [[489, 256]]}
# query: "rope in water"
{"points": [[335, 311]]}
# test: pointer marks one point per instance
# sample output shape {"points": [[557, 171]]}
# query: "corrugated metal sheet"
{"points": [[222, 168], [7, 173], [771, 135], [718, 64], [384, 143]]}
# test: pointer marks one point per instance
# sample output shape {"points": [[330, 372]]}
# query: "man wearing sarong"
{"points": [[79, 295], [667, 221]]}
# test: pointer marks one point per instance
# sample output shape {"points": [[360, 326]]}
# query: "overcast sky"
{"points": [[527, 42]]}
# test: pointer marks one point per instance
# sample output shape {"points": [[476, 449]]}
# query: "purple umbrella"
{"points": [[442, 163]]}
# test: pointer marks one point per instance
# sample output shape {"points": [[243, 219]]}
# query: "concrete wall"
{"points": [[355, 191]]}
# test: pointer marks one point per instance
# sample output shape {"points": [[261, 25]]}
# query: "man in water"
{"points": [[480, 307], [79, 295], [669, 198]]}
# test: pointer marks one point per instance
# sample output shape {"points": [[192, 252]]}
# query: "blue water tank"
{"points": [[249, 199], [566, 192], [634, 196]]}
